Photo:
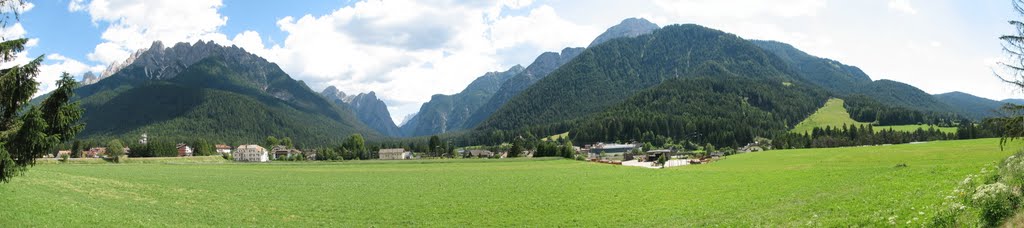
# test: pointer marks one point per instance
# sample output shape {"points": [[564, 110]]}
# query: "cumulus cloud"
{"points": [[902, 6], [132, 25], [407, 51], [742, 9]]}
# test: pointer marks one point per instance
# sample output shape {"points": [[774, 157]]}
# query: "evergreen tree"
{"points": [[76, 148], [517, 147], [29, 131], [1013, 124], [434, 145]]}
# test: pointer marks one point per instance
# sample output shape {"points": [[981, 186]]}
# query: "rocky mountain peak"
{"points": [[630, 27], [89, 78], [161, 62]]}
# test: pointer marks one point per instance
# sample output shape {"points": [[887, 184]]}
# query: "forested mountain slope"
{"points": [[607, 74], [230, 96]]}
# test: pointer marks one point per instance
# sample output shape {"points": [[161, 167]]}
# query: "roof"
{"points": [[251, 146], [222, 146], [479, 152], [391, 151], [616, 146]]}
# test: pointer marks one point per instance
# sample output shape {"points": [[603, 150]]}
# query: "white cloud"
{"points": [[132, 25], [54, 66], [407, 51], [902, 6], [740, 9]]}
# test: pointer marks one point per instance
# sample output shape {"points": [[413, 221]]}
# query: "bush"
{"points": [[1011, 171], [64, 158], [951, 216], [995, 202], [227, 156]]}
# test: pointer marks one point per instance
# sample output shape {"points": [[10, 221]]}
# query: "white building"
{"points": [[223, 149], [251, 153], [394, 154]]}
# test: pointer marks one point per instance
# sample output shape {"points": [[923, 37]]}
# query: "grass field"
{"points": [[909, 128], [832, 114], [556, 137], [858, 186]]}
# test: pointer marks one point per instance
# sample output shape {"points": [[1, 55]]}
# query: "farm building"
{"points": [[654, 154], [281, 152], [63, 152], [96, 152], [611, 149], [481, 153], [223, 149], [184, 150], [394, 154], [251, 153]]}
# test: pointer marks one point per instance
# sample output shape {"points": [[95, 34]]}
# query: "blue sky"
{"points": [[407, 51]]}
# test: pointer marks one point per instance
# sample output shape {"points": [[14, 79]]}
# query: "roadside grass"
{"points": [[856, 186]]}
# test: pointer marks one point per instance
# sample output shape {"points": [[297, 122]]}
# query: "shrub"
{"points": [[64, 157], [1011, 171], [950, 216], [227, 156], [995, 202]]}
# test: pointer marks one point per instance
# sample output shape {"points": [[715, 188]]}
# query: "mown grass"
{"points": [[911, 128], [859, 186], [832, 114], [556, 137]]}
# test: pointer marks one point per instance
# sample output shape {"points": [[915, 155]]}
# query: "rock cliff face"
{"points": [[368, 108], [631, 27], [444, 113], [160, 62], [89, 78]]}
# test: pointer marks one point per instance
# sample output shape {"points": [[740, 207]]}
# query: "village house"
{"points": [[282, 152], [184, 150], [481, 153], [223, 149], [96, 152], [394, 154], [251, 153], [64, 152]]}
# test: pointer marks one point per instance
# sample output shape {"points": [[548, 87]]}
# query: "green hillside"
{"points": [[721, 110], [832, 114], [217, 100], [841, 187], [607, 74], [844, 80]]}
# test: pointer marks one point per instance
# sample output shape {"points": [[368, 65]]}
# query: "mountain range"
{"points": [[205, 90], [626, 77]]}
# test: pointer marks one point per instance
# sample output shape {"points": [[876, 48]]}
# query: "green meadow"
{"points": [[857, 186], [834, 114]]}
